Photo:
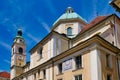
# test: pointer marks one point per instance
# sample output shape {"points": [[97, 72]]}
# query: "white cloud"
{"points": [[95, 12], [32, 37], [45, 26], [50, 6], [7, 61], [5, 20], [105, 10], [43, 23], [6, 46]]}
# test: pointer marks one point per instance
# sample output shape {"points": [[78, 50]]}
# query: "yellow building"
{"points": [[73, 50]]}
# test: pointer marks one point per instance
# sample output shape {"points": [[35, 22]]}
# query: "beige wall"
{"points": [[1, 78], [76, 27], [107, 70], [50, 49], [91, 33], [104, 29], [107, 30], [117, 26], [86, 70], [69, 74], [35, 58]]}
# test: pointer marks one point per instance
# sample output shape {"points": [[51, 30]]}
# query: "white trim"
{"points": [[49, 49], [106, 50], [59, 45], [96, 73]]}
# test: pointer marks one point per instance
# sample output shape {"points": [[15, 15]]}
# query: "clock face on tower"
{"points": [[20, 50], [20, 57]]}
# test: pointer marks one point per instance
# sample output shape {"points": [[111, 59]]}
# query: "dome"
{"points": [[69, 14]]}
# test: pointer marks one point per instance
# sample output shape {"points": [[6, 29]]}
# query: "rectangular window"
{"points": [[44, 73], [78, 77], [109, 77], [38, 73], [34, 76], [40, 53], [78, 61], [108, 60], [60, 68]]}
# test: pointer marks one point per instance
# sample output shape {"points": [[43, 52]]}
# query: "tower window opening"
{"points": [[69, 31], [20, 50], [19, 64]]}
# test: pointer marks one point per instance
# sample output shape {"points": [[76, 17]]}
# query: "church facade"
{"points": [[73, 50]]}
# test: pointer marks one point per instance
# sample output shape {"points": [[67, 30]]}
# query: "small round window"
{"points": [[20, 50]]}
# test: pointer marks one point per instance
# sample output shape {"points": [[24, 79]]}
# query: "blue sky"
{"points": [[36, 17]]}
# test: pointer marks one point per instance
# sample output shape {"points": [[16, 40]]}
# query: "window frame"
{"points": [[108, 60], [35, 76], [40, 53], [78, 76], [78, 63], [110, 76], [20, 50], [60, 69], [60, 79], [69, 31], [44, 74]]}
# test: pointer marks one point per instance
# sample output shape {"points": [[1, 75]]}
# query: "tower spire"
{"points": [[19, 33], [69, 10], [18, 55]]}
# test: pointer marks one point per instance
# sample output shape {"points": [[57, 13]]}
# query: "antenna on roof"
{"points": [[97, 13]]}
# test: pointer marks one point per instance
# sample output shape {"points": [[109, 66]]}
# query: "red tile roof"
{"points": [[94, 22], [5, 74]]}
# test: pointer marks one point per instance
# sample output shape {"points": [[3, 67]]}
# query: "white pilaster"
{"points": [[59, 46], [53, 46], [51, 73], [96, 73], [49, 49], [47, 74]]}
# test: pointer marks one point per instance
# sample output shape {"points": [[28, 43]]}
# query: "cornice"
{"points": [[92, 43]]}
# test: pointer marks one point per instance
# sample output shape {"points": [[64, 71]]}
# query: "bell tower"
{"points": [[18, 58]]}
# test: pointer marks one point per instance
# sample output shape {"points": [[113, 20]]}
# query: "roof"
{"points": [[46, 38], [94, 22], [66, 16], [69, 14], [5, 74]]}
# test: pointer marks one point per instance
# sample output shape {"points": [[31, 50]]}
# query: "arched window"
{"points": [[69, 31], [20, 50]]}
